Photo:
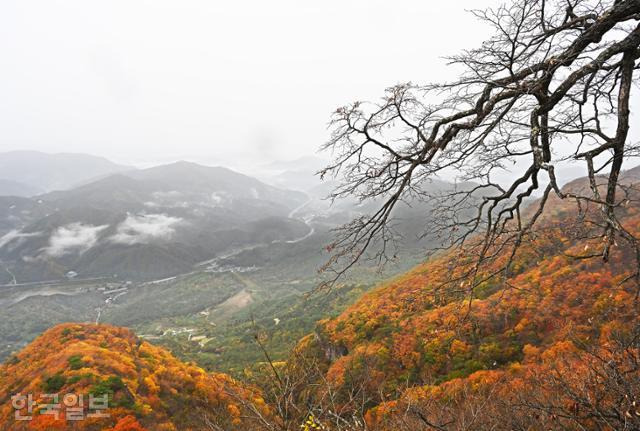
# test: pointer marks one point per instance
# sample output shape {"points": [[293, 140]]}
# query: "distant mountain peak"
{"points": [[59, 171]]}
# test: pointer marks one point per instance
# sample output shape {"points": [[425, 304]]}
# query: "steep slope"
{"points": [[147, 388], [551, 347]]}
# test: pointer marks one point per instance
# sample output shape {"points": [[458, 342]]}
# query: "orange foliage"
{"points": [[128, 423], [145, 384], [47, 423], [422, 332]]}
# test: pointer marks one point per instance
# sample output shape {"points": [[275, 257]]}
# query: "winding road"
{"points": [[14, 281]]}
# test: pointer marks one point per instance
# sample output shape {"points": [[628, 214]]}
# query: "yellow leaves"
{"points": [[152, 386], [522, 325], [146, 409], [531, 353], [419, 393], [147, 352], [233, 410], [515, 367], [311, 423], [459, 348], [483, 379]]}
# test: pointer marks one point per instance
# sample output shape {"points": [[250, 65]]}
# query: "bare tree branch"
{"points": [[551, 86]]}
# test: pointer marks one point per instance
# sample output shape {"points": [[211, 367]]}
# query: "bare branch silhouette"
{"points": [[551, 86]]}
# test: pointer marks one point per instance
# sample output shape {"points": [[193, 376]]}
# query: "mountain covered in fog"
{"points": [[15, 188], [142, 224], [33, 172], [299, 174]]}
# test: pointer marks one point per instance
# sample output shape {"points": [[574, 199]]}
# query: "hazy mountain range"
{"points": [[33, 172], [167, 220], [15, 188], [66, 215], [142, 224]]}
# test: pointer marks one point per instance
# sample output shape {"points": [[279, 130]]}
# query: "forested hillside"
{"points": [[551, 345], [146, 387]]}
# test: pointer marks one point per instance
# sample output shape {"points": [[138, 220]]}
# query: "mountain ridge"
{"points": [[54, 171], [182, 214]]}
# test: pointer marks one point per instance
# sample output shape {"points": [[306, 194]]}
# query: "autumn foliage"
{"points": [[147, 388], [554, 345]]}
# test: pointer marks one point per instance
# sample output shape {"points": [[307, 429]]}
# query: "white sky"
{"points": [[147, 82]]}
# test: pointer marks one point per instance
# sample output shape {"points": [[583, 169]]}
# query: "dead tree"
{"points": [[552, 85]]}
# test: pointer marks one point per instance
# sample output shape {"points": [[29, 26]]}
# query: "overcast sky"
{"points": [[145, 82]]}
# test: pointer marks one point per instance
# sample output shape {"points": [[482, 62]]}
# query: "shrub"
{"points": [[54, 383], [75, 362]]}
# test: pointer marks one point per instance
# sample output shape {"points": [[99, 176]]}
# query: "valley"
{"points": [[205, 310], [225, 300], [199, 259]]}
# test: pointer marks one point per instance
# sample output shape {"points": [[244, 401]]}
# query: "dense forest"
{"points": [[142, 384]]}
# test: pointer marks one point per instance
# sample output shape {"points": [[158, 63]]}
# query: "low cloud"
{"points": [[144, 228], [170, 199], [16, 235], [74, 237], [170, 195], [220, 199]]}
